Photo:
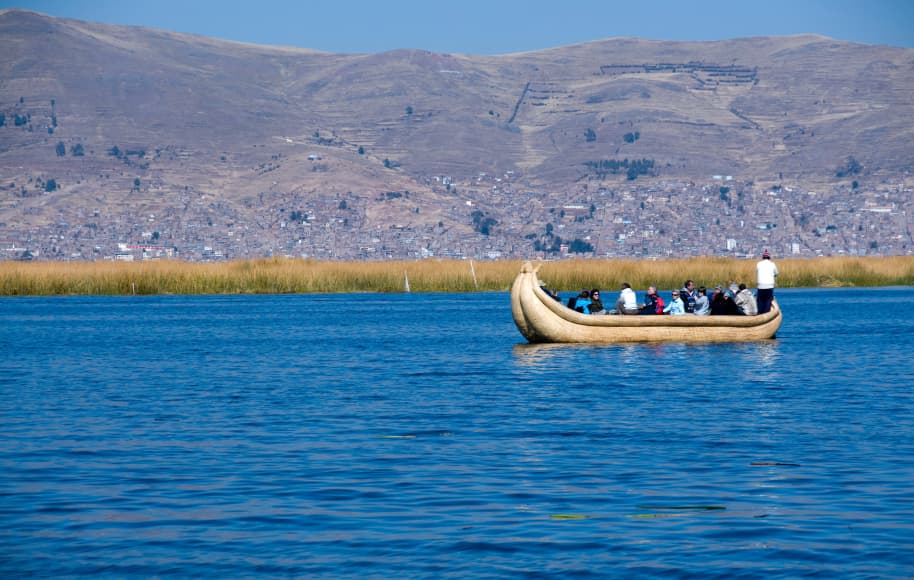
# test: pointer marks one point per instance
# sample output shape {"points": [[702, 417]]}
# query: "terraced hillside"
{"points": [[109, 125]]}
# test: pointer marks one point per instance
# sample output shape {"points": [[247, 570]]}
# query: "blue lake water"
{"points": [[418, 436]]}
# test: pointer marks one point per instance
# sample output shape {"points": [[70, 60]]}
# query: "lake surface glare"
{"points": [[418, 436]]}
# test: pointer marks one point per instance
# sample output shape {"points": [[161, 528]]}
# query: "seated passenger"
{"points": [[596, 305], [676, 305], [581, 302], [627, 302], [702, 304], [653, 303], [552, 293], [745, 301], [688, 296], [721, 304]]}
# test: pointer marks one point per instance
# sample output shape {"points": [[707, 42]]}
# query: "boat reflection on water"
{"points": [[543, 354], [764, 353], [759, 354]]}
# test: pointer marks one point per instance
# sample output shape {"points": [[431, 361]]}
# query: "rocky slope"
{"points": [[105, 126]]}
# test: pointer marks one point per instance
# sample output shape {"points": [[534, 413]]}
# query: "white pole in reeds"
{"points": [[406, 278], [473, 271]]}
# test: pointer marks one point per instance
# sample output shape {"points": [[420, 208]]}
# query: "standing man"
{"points": [[766, 272]]}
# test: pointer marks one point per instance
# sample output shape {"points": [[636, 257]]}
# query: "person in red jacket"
{"points": [[653, 303]]}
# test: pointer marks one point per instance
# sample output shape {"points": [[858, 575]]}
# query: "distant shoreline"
{"points": [[299, 276]]}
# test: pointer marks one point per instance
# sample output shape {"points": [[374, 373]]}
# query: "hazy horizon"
{"points": [[476, 27]]}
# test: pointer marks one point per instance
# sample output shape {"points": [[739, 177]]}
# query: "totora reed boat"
{"points": [[541, 318]]}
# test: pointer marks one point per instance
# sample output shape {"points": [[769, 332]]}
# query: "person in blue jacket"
{"points": [[675, 306], [581, 302]]}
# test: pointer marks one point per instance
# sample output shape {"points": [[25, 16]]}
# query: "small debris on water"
{"points": [[674, 511], [682, 507]]}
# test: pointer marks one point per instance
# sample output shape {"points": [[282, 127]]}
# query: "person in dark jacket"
{"points": [[688, 295], [722, 304], [552, 293], [596, 305], [653, 303]]}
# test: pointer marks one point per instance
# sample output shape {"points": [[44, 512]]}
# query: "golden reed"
{"points": [[281, 275]]}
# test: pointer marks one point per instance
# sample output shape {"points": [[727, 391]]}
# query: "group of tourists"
{"points": [[734, 299]]}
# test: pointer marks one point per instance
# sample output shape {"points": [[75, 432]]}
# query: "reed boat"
{"points": [[541, 318]]}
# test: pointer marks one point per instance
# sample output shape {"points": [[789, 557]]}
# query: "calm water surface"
{"points": [[416, 436]]}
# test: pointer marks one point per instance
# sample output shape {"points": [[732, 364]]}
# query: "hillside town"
{"points": [[492, 218]]}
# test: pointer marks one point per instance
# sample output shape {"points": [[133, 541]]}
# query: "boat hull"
{"points": [[540, 318]]}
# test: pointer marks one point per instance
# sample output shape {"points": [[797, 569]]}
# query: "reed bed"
{"points": [[280, 275]]}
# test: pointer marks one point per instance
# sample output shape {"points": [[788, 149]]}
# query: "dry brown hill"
{"points": [[151, 119]]}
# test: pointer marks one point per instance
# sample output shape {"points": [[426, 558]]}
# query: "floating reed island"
{"points": [[300, 276]]}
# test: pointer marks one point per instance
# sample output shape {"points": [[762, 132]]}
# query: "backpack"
{"points": [[688, 300], [660, 305]]}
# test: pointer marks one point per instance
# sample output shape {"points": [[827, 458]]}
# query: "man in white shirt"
{"points": [[627, 302], [766, 272]]}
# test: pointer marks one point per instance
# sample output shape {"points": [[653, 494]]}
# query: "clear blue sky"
{"points": [[494, 26]]}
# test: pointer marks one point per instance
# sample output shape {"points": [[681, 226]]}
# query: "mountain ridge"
{"points": [[415, 140]]}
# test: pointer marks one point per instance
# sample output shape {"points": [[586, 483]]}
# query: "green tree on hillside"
{"points": [[579, 246], [483, 223], [61, 149], [851, 167]]}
